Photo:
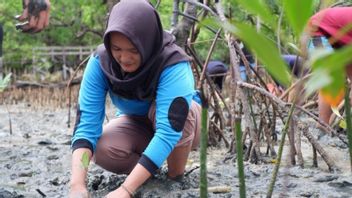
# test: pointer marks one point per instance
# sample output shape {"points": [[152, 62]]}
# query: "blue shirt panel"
{"points": [[129, 107]]}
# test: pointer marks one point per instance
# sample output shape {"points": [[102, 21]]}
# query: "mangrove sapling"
{"points": [[348, 120], [3, 85], [203, 186], [279, 155], [204, 128], [239, 149]]}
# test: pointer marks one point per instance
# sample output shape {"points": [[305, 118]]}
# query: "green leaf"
{"points": [[298, 13], [332, 60], [85, 160], [343, 124], [329, 70], [337, 84], [320, 78], [265, 50], [258, 8], [5, 82]]}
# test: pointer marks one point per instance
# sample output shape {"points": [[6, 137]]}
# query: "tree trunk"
{"points": [[183, 28]]}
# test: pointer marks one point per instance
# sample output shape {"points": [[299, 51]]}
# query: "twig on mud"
{"points": [[190, 171], [216, 189], [40, 192]]}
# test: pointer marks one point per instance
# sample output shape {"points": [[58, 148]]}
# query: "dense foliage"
{"points": [[72, 23], [82, 23]]}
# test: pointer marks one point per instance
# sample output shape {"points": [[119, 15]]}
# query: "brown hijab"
{"points": [[139, 22]]}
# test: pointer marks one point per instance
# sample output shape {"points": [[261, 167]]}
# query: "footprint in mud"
{"points": [[342, 186], [8, 194]]}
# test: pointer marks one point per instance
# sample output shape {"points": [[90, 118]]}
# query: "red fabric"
{"points": [[329, 22]]}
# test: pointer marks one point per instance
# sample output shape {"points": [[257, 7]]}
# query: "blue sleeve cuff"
{"points": [[82, 143], [148, 164]]}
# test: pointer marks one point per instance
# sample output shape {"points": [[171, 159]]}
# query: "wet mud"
{"points": [[35, 161]]}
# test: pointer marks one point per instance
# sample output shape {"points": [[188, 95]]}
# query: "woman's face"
{"points": [[124, 52]]}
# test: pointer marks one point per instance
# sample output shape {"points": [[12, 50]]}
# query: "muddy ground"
{"points": [[35, 162]]}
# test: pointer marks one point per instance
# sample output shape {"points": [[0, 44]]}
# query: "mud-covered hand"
{"points": [[35, 16]]}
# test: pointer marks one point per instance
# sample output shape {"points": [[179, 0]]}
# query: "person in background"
{"points": [[295, 65], [249, 58], [330, 29], [35, 16], [217, 70], [150, 81], [294, 62]]}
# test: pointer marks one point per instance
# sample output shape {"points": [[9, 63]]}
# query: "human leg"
{"points": [[321, 43], [177, 159], [190, 140], [324, 109], [122, 143]]}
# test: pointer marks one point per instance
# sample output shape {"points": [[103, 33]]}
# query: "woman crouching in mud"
{"points": [[150, 81]]}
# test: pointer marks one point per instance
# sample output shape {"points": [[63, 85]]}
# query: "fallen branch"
{"points": [[319, 148], [216, 189]]}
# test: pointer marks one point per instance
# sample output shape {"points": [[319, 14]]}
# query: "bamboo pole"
{"points": [[279, 155], [348, 120], [239, 149], [203, 186]]}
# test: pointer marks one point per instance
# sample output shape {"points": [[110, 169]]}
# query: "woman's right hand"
{"points": [[79, 191], [78, 187]]}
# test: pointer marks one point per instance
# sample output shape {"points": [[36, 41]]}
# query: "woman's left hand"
{"points": [[118, 193]]}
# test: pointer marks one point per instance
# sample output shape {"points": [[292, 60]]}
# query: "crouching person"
{"points": [[150, 81]]}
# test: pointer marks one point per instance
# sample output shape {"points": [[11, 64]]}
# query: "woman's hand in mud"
{"points": [[79, 192], [120, 193]]}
